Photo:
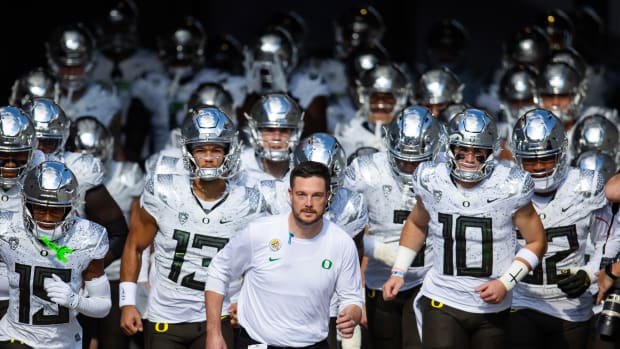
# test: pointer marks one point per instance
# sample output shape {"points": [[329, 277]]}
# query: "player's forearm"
{"points": [[412, 236], [213, 303], [612, 188], [131, 261]]}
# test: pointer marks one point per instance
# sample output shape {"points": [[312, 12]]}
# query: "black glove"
{"points": [[576, 284]]}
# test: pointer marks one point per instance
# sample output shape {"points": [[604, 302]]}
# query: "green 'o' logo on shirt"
{"points": [[326, 264]]}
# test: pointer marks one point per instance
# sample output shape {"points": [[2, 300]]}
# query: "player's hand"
{"points": [[131, 321], [60, 292], [576, 284], [234, 319], [345, 324], [604, 284], [215, 341], [492, 292], [391, 287]]}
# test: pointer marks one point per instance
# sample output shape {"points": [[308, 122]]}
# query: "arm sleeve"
{"points": [[99, 301], [230, 263], [349, 282]]}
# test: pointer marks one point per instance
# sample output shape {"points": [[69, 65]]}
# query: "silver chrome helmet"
{"points": [[50, 184], [538, 134], [413, 136], [596, 160], [87, 135], [528, 46], [517, 89], [595, 132], [70, 51], [117, 29], [446, 115], [275, 110], [270, 61], [37, 82], [181, 48], [560, 79], [472, 128], [214, 95], [386, 78], [438, 86], [17, 137], [571, 57], [209, 125], [323, 148], [357, 26], [50, 123]]}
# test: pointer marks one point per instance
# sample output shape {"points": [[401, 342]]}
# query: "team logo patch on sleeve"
{"points": [[275, 244]]}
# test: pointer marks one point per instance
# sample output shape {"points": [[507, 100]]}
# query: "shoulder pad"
{"points": [[591, 183]]}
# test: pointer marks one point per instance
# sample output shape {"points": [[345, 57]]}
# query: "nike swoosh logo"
{"points": [[271, 259], [566, 209], [224, 221], [491, 200]]}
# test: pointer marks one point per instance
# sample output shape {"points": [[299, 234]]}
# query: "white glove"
{"points": [[60, 292]]}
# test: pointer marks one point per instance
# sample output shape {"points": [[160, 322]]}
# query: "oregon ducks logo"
{"points": [[326, 264]]}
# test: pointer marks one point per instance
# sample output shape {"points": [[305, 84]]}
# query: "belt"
{"points": [[244, 334]]}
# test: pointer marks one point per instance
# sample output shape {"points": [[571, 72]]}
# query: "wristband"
{"points": [[399, 273], [404, 258], [127, 293], [515, 273], [609, 272], [530, 257]]}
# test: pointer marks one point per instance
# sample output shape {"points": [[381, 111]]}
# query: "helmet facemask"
{"points": [[472, 131], [50, 196], [271, 114], [205, 132], [539, 145]]}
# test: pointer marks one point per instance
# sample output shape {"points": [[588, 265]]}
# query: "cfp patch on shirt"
{"points": [[275, 244]]}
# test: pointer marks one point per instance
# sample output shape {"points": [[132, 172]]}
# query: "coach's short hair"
{"points": [[309, 169]]}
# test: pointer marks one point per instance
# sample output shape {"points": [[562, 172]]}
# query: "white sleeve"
{"points": [[230, 262], [99, 301], [349, 282]]}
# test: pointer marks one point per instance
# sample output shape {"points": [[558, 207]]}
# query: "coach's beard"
{"points": [[300, 221]]}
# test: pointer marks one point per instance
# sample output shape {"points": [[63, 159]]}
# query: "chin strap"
{"points": [[59, 250]]}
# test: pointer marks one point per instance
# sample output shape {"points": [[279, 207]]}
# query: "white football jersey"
{"points": [[334, 73], [471, 231], [188, 237], [578, 212], [305, 85], [339, 111], [355, 133], [98, 100], [130, 68], [31, 316], [274, 190], [389, 202], [11, 201]]}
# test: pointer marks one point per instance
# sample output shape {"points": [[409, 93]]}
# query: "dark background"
{"points": [[26, 24]]}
